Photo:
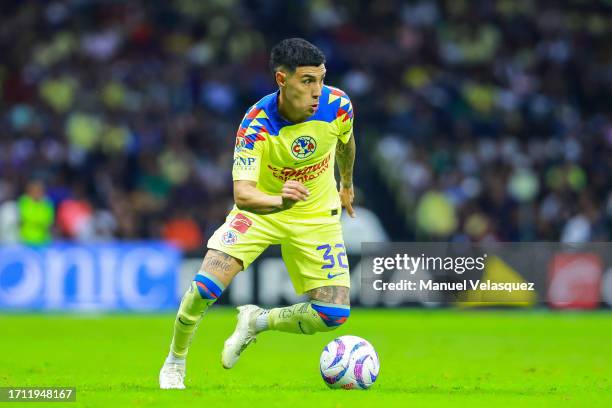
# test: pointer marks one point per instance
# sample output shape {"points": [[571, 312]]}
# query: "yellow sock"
{"points": [[202, 293], [308, 317]]}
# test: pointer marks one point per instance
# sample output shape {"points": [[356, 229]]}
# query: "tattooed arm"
{"points": [[345, 157]]}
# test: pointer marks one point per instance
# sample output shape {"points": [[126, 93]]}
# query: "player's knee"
{"points": [[208, 286], [332, 316]]}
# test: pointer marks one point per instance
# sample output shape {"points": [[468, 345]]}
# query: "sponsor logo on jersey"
{"points": [[245, 163], [241, 223], [301, 174], [229, 238], [303, 147]]}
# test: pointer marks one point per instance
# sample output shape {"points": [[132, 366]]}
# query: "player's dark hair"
{"points": [[295, 52]]}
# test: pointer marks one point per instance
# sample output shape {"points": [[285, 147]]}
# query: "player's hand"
{"points": [[292, 192], [346, 198]]}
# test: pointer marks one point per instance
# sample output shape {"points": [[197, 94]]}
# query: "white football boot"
{"points": [[243, 335], [172, 375]]}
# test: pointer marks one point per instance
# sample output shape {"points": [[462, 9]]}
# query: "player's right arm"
{"points": [[245, 172], [249, 198]]}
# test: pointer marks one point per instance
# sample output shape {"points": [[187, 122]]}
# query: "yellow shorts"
{"points": [[313, 249]]}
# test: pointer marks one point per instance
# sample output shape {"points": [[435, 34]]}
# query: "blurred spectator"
{"points": [[9, 214], [435, 216], [183, 231], [36, 215], [9, 222]]}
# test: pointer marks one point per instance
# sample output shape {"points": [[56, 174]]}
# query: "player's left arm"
{"points": [[345, 153], [345, 157]]}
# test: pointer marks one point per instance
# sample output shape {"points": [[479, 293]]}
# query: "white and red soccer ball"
{"points": [[349, 362]]}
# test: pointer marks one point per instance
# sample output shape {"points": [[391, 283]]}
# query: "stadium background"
{"points": [[475, 121]]}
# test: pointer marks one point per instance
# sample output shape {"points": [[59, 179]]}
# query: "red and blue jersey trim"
{"points": [[262, 120]]}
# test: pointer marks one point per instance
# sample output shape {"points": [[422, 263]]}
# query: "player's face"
{"points": [[302, 90]]}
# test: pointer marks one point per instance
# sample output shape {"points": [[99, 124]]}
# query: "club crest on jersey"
{"points": [[229, 238], [240, 144], [303, 147]]}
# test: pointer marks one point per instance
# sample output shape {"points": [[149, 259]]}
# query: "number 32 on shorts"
{"points": [[330, 258]]}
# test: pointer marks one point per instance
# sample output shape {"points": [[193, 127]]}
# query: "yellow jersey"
{"points": [[270, 150]]}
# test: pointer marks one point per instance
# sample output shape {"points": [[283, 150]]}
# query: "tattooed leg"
{"points": [[221, 265], [215, 274], [338, 295], [328, 308]]}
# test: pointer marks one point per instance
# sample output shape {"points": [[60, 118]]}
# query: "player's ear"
{"points": [[281, 78]]}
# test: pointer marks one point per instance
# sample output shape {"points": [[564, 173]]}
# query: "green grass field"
{"points": [[428, 358]]}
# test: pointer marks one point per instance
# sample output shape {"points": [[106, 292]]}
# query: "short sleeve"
{"points": [[246, 164], [247, 153], [344, 120]]}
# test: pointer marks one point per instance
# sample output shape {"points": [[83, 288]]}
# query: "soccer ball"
{"points": [[349, 362]]}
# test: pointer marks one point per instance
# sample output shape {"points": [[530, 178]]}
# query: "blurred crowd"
{"points": [[486, 119], [502, 129]]}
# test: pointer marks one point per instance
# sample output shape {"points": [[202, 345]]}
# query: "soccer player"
{"points": [[285, 193]]}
